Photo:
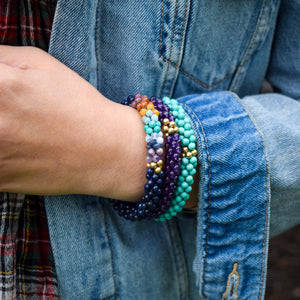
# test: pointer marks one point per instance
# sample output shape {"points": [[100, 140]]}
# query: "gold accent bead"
{"points": [[176, 129], [157, 170], [160, 163], [153, 165], [172, 124], [171, 130], [166, 121], [186, 149], [148, 166], [194, 152], [189, 155], [183, 155], [167, 134], [165, 128]]}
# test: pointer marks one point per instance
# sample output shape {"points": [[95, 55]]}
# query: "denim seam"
{"points": [[113, 265], [209, 197], [252, 41], [265, 248], [168, 223], [172, 42], [185, 275], [180, 43], [197, 80], [182, 31]]}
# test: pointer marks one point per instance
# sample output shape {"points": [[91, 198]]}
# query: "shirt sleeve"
{"points": [[250, 171]]}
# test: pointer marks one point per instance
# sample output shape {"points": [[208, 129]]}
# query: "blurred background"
{"points": [[283, 279]]}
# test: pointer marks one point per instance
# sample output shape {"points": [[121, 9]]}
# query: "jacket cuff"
{"points": [[234, 199]]}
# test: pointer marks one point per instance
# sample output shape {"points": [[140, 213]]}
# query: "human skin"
{"points": [[59, 135]]}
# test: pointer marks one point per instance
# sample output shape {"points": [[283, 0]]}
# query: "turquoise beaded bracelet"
{"points": [[188, 163]]}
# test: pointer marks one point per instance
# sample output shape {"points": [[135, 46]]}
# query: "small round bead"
{"points": [[171, 131], [145, 120], [187, 126], [193, 172], [185, 161], [193, 159], [190, 179], [149, 113], [154, 118], [189, 167], [187, 133], [184, 185], [192, 138], [150, 106], [149, 130], [185, 196], [157, 129], [188, 189], [143, 112], [153, 165], [185, 142], [180, 123], [192, 146], [181, 116], [160, 151], [189, 155], [158, 170]]}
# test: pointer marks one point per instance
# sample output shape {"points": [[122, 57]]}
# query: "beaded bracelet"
{"points": [[173, 154], [147, 208], [188, 162]]}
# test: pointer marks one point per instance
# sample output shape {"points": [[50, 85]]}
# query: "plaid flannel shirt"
{"points": [[27, 266]]}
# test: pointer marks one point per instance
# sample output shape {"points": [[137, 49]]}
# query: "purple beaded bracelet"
{"points": [[173, 155]]}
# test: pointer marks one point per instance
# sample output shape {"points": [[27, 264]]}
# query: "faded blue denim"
{"points": [[213, 56]]}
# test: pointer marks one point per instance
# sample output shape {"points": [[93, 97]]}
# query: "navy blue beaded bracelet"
{"points": [[147, 208]]}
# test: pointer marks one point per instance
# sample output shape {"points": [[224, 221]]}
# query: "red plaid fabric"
{"points": [[26, 260], [26, 22]]}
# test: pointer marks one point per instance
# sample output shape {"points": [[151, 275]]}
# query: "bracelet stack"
{"points": [[171, 159]]}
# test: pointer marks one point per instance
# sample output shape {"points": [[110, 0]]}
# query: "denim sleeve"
{"points": [[250, 172]]}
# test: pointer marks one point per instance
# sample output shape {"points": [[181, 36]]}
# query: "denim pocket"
{"points": [[208, 42]]}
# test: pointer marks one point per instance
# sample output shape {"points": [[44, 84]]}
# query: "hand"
{"points": [[59, 135]]}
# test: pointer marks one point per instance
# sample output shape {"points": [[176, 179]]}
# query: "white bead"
{"points": [[154, 118], [145, 120], [160, 140]]}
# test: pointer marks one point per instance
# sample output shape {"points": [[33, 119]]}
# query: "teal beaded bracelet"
{"points": [[188, 163]]}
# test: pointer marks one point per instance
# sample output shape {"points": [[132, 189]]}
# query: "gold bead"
{"points": [[157, 170], [183, 154], [185, 149], [167, 134], [194, 152], [171, 130], [148, 166], [176, 129], [153, 165], [172, 124], [160, 163], [189, 155], [166, 121], [165, 128]]}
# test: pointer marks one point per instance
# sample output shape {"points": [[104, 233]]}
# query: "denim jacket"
{"points": [[213, 56]]}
